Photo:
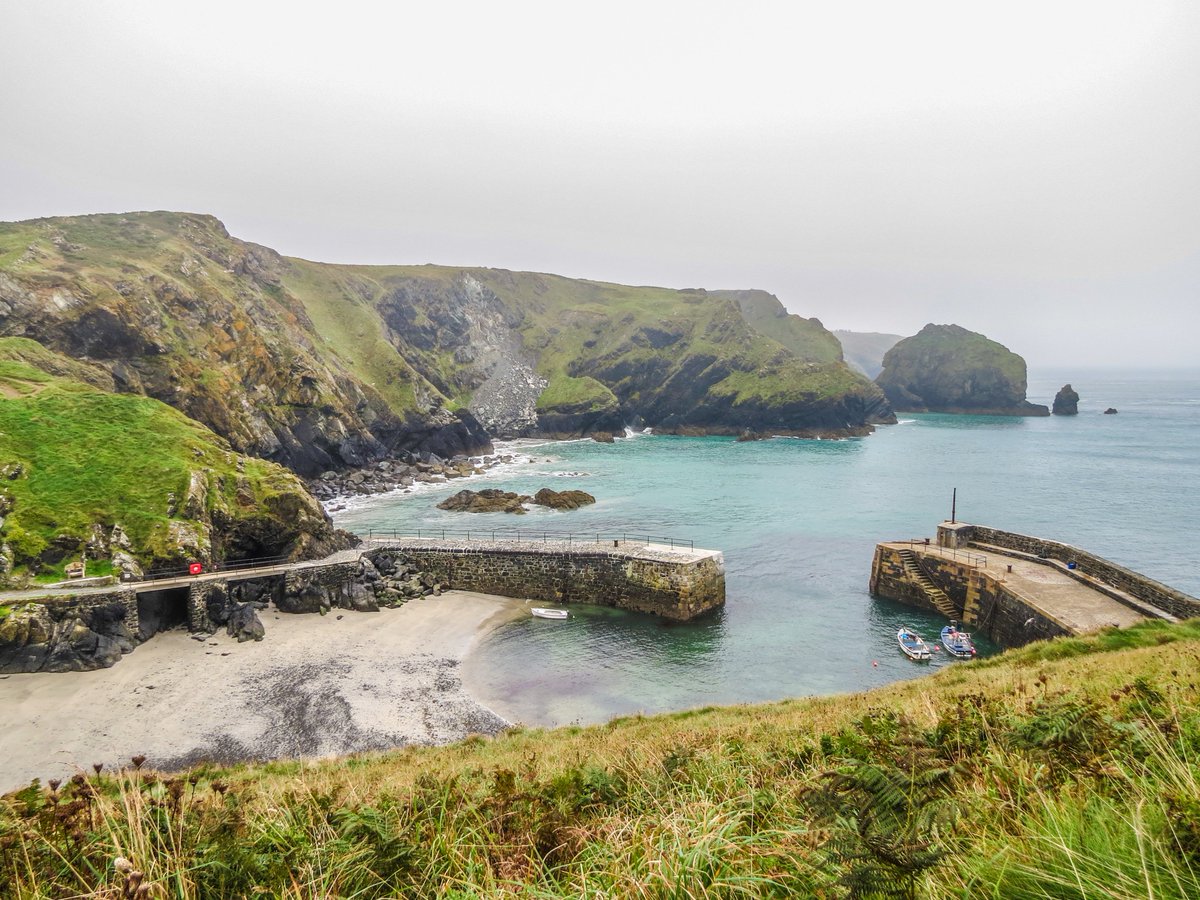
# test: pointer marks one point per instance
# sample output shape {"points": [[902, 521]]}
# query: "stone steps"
{"points": [[939, 598]]}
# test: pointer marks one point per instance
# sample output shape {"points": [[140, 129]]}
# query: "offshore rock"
{"points": [[563, 499], [487, 500], [1066, 402], [946, 368]]}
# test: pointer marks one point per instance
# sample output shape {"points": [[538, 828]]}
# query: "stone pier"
{"points": [[1016, 588], [673, 582]]}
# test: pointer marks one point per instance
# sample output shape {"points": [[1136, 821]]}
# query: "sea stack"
{"points": [[948, 369], [1066, 402]]}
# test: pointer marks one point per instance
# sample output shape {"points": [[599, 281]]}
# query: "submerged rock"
{"points": [[1110, 412]]}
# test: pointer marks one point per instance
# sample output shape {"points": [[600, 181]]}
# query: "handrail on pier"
{"points": [[974, 560], [494, 535]]}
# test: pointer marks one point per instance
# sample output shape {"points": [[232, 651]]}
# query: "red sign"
{"points": [[195, 568]]}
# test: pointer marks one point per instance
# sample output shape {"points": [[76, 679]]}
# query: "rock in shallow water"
{"points": [[562, 499], [487, 500]]}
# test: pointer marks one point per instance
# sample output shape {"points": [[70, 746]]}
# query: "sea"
{"points": [[797, 521]]}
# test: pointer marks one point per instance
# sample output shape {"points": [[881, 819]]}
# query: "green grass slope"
{"points": [[320, 366], [715, 360], [946, 368], [1068, 769], [77, 456]]}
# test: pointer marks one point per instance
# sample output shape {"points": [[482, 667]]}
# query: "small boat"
{"points": [[543, 613], [957, 642], [912, 644]]}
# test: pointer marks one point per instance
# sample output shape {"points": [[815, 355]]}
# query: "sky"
{"points": [[1030, 170]]}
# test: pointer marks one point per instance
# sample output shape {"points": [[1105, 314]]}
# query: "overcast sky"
{"points": [[1028, 170]]}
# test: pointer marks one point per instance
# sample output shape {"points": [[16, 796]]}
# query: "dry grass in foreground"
{"points": [[1064, 770]]}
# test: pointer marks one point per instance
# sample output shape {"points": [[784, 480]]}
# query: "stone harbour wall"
{"points": [[92, 630], [677, 585], [994, 608], [1145, 589], [890, 580]]}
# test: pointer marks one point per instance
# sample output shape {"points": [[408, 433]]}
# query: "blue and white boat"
{"points": [[957, 642], [912, 644]]}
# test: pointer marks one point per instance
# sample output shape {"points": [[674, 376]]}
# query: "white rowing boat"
{"points": [[912, 644], [543, 613]]}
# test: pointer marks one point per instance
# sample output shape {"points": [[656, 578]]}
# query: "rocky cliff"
{"points": [[128, 482], [323, 366], [172, 307], [1066, 401], [946, 368]]}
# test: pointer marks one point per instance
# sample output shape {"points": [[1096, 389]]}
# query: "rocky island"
{"points": [[946, 368], [1066, 402]]}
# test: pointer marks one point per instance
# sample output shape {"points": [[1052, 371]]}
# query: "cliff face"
{"points": [[130, 482], [325, 366], [533, 353], [173, 308], [946, 368]]}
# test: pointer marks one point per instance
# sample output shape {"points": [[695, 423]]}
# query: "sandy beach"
{"points": [[315, 686]]}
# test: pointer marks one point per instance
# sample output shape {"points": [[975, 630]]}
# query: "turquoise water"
{"points": [[798, 521]]}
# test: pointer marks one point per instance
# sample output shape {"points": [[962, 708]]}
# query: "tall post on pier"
{"points": [[953, 506]]}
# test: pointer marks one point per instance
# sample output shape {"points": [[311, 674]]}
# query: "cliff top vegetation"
{"points": [[1064, 769]]}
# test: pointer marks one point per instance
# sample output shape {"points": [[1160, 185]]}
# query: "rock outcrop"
{"points": [[494, 500], [69, 634], [487, 500], [563, 499], [327, 367], [946, 368], [1066, 402]]}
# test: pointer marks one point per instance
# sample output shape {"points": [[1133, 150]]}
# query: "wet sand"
{"points": [[315, 686]]}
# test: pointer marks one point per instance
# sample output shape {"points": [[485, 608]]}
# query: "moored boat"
{"points": [[959, 643], [912, 644], [544, 613]]}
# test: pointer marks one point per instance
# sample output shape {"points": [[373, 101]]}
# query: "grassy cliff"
{"points": [[946, 368], [323, 366], [1065, 769], [80, 460]]}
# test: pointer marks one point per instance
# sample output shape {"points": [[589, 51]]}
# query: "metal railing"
{"points": [[530, 536], [974, 560], [228, 565]]}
